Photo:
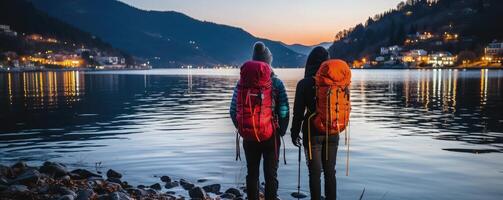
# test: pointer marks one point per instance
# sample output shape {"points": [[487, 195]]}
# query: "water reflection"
{"points": [[40, 90], [446, 104], [57, 111], [165, 120]]}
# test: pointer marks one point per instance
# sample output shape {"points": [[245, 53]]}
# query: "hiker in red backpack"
{"points": [[321, 110], [260, 112]]}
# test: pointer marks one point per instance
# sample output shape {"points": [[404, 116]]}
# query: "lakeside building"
{"points": [[52, 53], [415, 56], [40, 38], [441, 59], [110, 62], [450, 37], [5, 29], [420, 37], [493, 53], [107, 60], [57, 59], [395, 50]]}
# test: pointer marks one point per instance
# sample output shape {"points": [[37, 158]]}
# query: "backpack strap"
{"points": [[275, 122], [275, 117], [312, 114], [238, 149], [347, 130], [328, 120], [309, 135]]}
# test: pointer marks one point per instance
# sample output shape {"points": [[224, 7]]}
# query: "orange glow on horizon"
{"points": [[308, 38], [291, 22], [304, 39]]}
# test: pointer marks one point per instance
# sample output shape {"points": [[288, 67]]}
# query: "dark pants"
{"points": [[320, 162], [254, 151]]}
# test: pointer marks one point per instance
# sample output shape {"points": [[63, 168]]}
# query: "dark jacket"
{"points": [[305, 93], [282, 109]]}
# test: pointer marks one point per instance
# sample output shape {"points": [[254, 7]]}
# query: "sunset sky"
{"points": [[290, 21]]}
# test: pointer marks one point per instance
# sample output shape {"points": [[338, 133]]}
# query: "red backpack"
{"points": [[255, 102]]}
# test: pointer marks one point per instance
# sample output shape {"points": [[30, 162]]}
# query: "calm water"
{"points": [[426, 134]]}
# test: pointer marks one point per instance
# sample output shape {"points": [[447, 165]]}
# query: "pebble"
{"points": [[234, 191], [228, 196], [82, 174], [54, 169], [165, 179], [197, 193], [29, 177], [213, 188], [186, 185], [156, 186], [113, 174], [170, 185], [19, 166], [85, 194], [54, 181]]}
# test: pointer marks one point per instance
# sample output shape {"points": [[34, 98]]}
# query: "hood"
{"points": [[317, 56]]}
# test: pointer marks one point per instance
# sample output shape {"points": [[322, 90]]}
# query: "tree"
{"points": [[400, 6], [369, 22]]}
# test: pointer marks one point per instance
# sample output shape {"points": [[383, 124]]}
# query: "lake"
{"points": [[415, 134]]}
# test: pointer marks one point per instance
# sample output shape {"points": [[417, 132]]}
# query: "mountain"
{"points": [[23, 18], [167, 38], [474, 21], [305, 49]]}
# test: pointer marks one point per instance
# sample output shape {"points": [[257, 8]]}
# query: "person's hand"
{"points": [[296, 140]]}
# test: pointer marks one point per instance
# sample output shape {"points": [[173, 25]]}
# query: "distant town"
{"points": [[54, 54], [406, 56], [70, 56]]}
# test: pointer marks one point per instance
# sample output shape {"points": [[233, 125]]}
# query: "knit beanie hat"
{"points": [[261, 53]]}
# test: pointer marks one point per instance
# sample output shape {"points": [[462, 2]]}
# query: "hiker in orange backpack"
{"points": [[321, 110], [260, 112]]}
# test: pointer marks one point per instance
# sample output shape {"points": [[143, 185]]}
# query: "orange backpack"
{"points": [[332, 97], [332, 103]]}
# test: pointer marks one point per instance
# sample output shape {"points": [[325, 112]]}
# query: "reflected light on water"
{"points": [[44, 89], [428, 125], [483, 86]]}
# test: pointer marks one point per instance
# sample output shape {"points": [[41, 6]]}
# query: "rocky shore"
{"points": [[54, 181]]}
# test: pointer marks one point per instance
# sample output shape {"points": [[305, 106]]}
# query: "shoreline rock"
{"points": [[54, 181]]}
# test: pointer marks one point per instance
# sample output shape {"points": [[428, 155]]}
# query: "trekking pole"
{"points": [[298, 174], [297, 194]]}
